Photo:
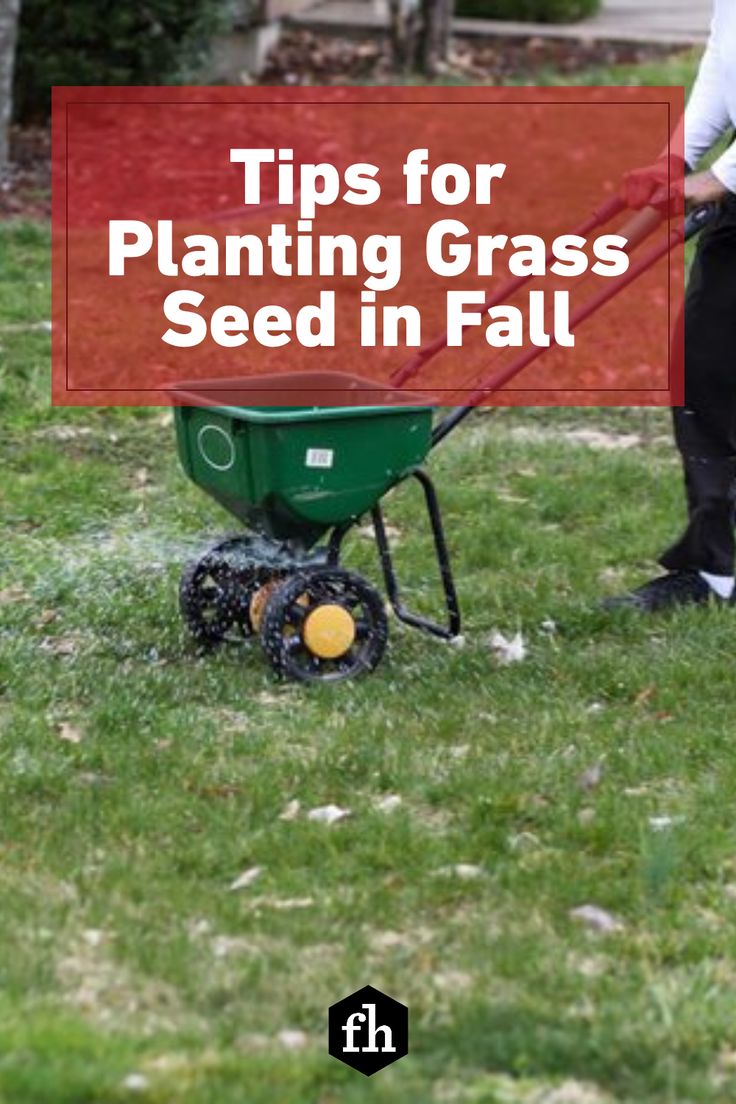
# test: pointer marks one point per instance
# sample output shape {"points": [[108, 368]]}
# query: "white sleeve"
{"points": [[706, 115], [725, 169]]}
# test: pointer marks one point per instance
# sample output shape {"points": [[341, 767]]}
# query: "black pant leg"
{"points": [[705, 428]]}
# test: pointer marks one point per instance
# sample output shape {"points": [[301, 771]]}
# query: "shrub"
{"points": [[539, 11], [104, 42]]}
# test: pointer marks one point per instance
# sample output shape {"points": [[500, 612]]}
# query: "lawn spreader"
{"points": [[301, 477]]}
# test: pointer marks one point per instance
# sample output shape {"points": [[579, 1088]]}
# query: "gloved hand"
{"points": [[659, 185]]}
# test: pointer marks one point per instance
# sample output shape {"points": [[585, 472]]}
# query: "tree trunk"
{"points": [[403, 22], [434, 46], [9, 12], [419, 31]]}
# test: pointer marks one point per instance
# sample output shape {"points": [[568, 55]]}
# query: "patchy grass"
{"points": [[138, 780]]}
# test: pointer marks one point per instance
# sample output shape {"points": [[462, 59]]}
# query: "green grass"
{"points": [[122, 950]]}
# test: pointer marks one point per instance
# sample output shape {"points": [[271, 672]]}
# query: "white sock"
{"points": [[721, 584]]}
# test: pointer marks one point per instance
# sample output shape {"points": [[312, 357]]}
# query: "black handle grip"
{"points": [[698, 219]]}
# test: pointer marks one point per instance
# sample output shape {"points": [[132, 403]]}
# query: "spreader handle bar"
{"points": [[696, 221], [600, 217], [518, 364]]}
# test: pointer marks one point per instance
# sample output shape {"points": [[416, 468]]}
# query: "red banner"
{"points": [[205, 234]]}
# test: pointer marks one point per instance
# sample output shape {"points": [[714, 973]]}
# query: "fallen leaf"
{"points": [[69, 732], [292, 1039], [93, 778], [246, 878], [225, 945], [328, 814], [662, 823], [368, 533], [135, 1082], [596, 919], [458, 751], [574, 1092], [265, 697], [523, 841], [591, 778], [464, 871], [290, 810], [14, 593], [388, 803], [59, 645], [45, 618], [95, 937], [645, 695], [280, 904], [507, 650]]}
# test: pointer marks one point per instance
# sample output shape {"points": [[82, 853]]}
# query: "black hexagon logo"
{"points": [[368, 1030]]}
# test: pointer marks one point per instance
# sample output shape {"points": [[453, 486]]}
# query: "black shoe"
{"points": [[677, 588]]}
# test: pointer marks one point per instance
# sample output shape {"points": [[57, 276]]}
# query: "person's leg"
{"points": [[701, 563], [705, 428]]}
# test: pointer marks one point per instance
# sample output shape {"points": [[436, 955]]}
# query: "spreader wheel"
{"points": [[217, 589], [324, 624]]}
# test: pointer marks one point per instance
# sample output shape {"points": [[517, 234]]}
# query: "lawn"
{"points": [[140, 779]]}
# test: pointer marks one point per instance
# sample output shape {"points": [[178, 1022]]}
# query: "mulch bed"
{"points": [[26, 193], [304, 57]]}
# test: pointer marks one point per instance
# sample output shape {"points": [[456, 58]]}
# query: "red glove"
{"points": [[659, 185]]}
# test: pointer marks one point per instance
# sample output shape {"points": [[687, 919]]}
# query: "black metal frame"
{"points": [[415, 620]]}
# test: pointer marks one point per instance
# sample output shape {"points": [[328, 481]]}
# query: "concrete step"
{"points": [[669, 22]]}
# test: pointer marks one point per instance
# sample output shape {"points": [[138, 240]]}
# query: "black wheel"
{"points": [[324, 624], [218, 587]]}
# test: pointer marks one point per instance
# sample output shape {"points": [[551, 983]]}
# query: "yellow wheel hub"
{"points": [[329, 631]]}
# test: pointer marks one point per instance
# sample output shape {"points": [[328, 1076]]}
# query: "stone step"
{"points": [[669, 22]]}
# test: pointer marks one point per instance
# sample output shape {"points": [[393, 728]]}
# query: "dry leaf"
{"points": [[464, 871], [281, 904], [135, 1082], [225, 945], [591, 778], [523, 841], [69, 732], [292, 1039], [645, 695], [14, 593], [290, 810], [507, 650], [246, 878], [661, 823], [328, 814], [596, 919], [59, 645], [45, 618], [388, 803]]}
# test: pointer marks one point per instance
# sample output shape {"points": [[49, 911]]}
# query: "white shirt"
{"points": [[711, 109]]}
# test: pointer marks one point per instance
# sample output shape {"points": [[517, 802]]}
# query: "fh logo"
{"points": [[368, 1030]]}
